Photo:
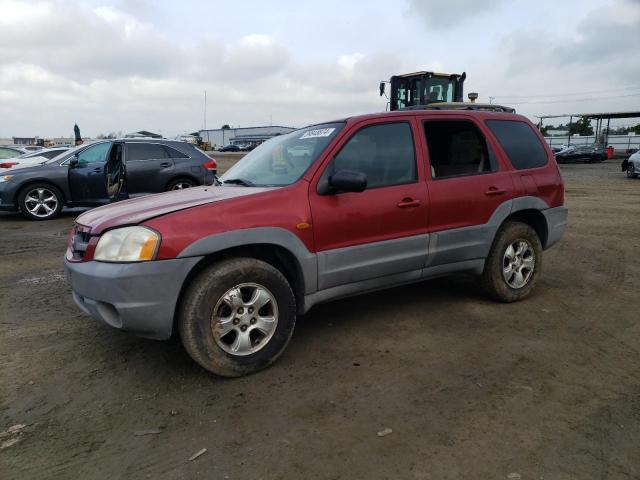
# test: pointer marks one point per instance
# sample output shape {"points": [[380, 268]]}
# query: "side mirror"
{"points": [[348, 181], [73, 163]]}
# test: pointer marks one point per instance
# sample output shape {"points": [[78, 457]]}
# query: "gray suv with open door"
{"points": [[103, 172]]}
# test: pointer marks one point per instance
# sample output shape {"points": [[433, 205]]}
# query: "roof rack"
{"points": [[486, 107]]}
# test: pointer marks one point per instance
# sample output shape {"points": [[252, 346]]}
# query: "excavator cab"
{"points": [[424, 88]]}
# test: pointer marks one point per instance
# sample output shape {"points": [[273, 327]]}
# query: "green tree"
{"points": [[581, 127], [226, 127]]}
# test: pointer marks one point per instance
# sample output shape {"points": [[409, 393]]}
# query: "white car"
{"points": [[632, 165], [32, 158]]}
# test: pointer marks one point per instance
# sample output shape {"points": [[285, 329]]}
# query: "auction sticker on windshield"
{"points": [[320, 132]]}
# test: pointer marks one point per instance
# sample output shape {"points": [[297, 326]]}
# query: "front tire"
{"points": [[237, 316], [631, 171], [514, 263], [40, 201]]}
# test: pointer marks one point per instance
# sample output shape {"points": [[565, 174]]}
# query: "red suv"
{"points": [[327, 211]]}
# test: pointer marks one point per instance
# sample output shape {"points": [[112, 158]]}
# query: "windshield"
{"points": [[282, 160], [410, 91]]}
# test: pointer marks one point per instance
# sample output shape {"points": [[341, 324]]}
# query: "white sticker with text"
{"points": [[320, 132]]}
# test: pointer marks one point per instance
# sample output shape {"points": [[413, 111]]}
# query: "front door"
{"points": [[381, 231], [87, 175]]}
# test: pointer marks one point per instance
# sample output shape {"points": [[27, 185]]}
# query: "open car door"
{"points": [[115, 171], [97, 174], [87, 175]]}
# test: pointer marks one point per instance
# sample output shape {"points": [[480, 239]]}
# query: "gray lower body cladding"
{"points": [[556, 223], [142, 297]]}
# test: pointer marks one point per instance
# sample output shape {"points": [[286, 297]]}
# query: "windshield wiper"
{"points": [[240, 181]]}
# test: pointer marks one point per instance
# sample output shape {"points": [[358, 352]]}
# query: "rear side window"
{"points": [[457, 148], [146, 151], [521, 145], [384, 153], [173, 153]]}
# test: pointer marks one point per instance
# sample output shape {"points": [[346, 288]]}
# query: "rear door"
{"points": [[184, 166], [381, 231], [526, 150], [149, 168], [467, 184], [87, 178]]}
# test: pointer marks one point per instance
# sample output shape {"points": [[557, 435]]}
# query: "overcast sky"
{"points": [[129, 65]]}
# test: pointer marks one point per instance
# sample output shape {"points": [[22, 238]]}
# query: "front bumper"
{"points": [[136, 297], [556, 224]]}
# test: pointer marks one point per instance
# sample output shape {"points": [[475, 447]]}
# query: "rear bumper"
{"points": [[136, 297], [556, 224]]}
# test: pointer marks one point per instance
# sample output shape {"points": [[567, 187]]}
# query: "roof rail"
{"points": [[486, 107]]}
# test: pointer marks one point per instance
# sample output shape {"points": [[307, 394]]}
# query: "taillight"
{"points": [[8, 164], [212, 165]]}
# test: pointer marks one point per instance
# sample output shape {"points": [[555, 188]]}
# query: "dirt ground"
{"points": [[548, 388]]}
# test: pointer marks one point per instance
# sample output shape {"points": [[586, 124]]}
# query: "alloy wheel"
{"points": [[518, 263], [41, 202], [181, 186], [244, 319], [630, 170]]}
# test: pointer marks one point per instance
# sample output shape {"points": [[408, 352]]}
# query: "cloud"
{"points": [[603, 46], [442, 14], [118, 66], [103, 41], [109, 70]]}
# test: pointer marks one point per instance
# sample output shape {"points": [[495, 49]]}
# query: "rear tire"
{"points": [[631, 171], [40, 201], [237, 316], [514, 263], [181, 184]]}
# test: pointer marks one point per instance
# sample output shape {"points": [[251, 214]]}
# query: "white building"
{"points": [[241, 136]]}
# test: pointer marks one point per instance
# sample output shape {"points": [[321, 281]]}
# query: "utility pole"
{"points": [[205, 110]]}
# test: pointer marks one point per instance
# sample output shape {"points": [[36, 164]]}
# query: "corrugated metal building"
{"points": [[242, 136]]}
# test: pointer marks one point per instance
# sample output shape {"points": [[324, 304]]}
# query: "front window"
{"points": [[284, 159], [95, 153], [384, 153], [66, 154]]}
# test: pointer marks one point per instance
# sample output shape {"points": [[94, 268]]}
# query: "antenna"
{"points": [[205, 110]]}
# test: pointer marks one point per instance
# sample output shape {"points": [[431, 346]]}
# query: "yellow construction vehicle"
{"points": [[432, 90]]}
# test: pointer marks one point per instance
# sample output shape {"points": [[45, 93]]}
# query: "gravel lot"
{"points": [[548, 388]]}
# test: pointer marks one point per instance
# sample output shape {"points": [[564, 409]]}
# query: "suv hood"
{"points": [[137, 210]]}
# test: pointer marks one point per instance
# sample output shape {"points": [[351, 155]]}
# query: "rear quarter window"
{"points": [[519, 142], [174, 153]]}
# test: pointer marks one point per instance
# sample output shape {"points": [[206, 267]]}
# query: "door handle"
{"points": [[408, 203], [495, 191], [97, 169], [165, 165]]}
